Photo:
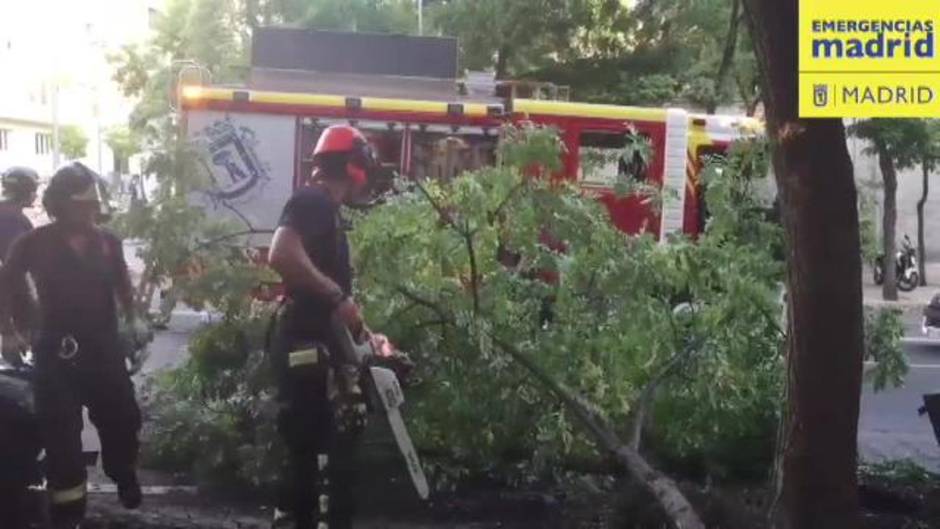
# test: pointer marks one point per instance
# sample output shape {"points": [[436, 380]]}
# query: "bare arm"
{"points": [[289, 259]]}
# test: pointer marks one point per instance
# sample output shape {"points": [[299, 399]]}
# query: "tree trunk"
{"points": [[502, 62], [921, 244], [751, 98], [727, 58], [820, 217], [889, 218]]}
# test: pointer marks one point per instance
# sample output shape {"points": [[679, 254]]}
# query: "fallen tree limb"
{"points": [[664, 489], [674, 504]]}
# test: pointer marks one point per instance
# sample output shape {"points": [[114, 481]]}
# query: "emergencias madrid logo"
{"points": [[869, 58]]}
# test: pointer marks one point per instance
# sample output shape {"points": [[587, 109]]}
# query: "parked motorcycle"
{"points": [[906, 263]]}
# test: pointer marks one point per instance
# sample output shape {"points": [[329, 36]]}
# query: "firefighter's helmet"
{"points": [[19, 182], [348, 145], [71, 183]]}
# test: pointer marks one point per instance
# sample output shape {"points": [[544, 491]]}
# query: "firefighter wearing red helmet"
{"points": [[319, 423]]}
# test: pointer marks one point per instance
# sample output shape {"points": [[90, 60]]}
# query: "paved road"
{"points": [[168, 350], [889, 427]]}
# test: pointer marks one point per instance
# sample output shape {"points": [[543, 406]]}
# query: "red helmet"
{"points": [[344, 139]]}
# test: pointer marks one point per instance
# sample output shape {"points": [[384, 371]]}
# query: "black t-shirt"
{"points": [[13, 223], [316, 218]]}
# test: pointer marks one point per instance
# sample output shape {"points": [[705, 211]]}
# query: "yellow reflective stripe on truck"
{"points": [[378, 104], [285, 98], [587, 110]]}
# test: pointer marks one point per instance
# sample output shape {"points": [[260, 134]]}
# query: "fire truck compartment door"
{"points": [[247, 162]]}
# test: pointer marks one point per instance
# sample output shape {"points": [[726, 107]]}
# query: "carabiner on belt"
{"points": [[68, 348]]}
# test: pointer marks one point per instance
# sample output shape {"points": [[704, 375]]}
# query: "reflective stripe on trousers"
{"points": [[68, 495]]}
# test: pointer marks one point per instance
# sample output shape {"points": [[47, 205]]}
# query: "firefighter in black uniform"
{"points": [[318, 419], [80, 277], [19, 192]]}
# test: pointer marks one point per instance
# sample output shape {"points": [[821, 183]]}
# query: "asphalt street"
{"points": [[889, 426]]}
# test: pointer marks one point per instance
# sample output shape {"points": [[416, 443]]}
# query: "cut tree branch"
{"points": [[727, 59], [664, 489], [509, 196], [445, 217], [474, 286], [648, 394], [666, 492], [417, 298], [467, 234]]}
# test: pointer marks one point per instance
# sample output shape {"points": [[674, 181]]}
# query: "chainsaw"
{"points": [[380, 365]]}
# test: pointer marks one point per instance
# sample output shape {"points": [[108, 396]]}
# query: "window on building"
{"points": [[4, 140], [43, 143]]}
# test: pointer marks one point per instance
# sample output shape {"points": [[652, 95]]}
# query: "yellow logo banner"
{"points": [[869, 58]]}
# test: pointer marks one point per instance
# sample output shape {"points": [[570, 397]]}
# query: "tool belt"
{"points": [[343, 389]]}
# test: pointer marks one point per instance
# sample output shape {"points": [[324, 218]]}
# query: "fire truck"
{"points": [[256, 141], [256, 146]]}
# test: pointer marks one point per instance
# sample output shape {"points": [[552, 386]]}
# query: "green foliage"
{"points": [[900, 471], [430, 277], [884, 329], [202, 257], [373, 16], [73, 142], [214, 417], [213, 33], [902, 140], [655, 52], [514, 37], [652, 90], [732, 184], [533, 146], [123, 142], [606, 330], [868, 221]]}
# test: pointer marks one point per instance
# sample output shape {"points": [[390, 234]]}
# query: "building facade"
{"points": [[54, 73]]}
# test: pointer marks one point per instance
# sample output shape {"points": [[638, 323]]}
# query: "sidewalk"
{"points": [[907, 301]]}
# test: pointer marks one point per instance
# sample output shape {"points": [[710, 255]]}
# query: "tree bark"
{"points": [[727, 58], [921, 243], [820, 217], [889, 219], [502, 62]]}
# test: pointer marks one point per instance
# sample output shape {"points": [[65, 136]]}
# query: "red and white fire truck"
{"points": [[257, 146]]}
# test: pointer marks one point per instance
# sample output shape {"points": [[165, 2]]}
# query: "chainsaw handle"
{"points": [[354, 352]]}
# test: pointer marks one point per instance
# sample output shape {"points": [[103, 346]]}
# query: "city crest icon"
{"points": [[820, 95]]}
